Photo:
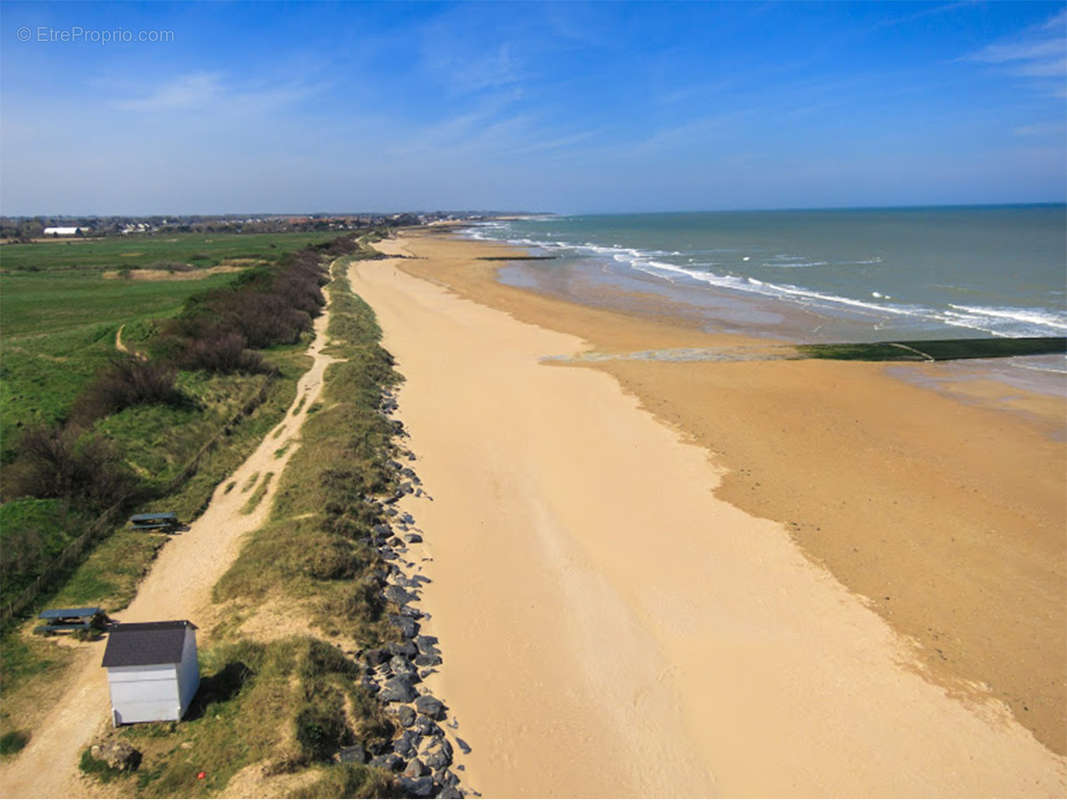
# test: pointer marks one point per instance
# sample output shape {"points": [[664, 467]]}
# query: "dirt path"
{"points": [[178, 587], [121, 346]]}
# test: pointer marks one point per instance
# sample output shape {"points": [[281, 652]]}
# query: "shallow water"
{"points": [[861, 275]]}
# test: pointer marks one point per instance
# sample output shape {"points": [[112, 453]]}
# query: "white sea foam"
{"points": [[995, 321], [1029, 316]]}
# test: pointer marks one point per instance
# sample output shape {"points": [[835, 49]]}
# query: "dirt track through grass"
{"points": [[178, 587]]}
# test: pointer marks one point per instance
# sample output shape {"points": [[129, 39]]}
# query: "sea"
{"points": [[814, 275]]}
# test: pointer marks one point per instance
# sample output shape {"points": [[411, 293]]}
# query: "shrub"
{"points": [[13, 741], [100, 768], [350, 780], [320, 726], [127, 382], [222, 353], [56, 462], [332, 559]]}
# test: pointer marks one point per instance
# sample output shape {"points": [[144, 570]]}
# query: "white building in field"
{"points": [[152, 670], [64, 231]]}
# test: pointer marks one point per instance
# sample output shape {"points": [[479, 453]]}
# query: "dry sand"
{"points": [[947, 514], [610, 624], [178, 587]]}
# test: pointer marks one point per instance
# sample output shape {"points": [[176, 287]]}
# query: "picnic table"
{"points": [[165, 520], [69, 619]]}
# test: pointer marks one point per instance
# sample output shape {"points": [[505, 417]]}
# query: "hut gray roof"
{"points": [[137, 644]]}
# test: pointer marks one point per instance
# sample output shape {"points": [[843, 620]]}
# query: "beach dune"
{"points": [[610, 627]]}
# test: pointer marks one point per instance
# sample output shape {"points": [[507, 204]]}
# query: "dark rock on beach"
{"points": [[446, 777], [438, 759], [403, 649], [354, 754], [395, 594], [417, 787], [426, 726], [406, 625], [399, 690], [376, 656], [415, 769], [405, 715], [403, 668], [430, 706], [389, 761]]}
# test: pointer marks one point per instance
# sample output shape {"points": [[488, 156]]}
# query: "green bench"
{"points": [[165, 521], [59, 620]]}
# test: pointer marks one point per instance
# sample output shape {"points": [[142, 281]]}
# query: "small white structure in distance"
{"points": [[64, 231], [152, 671]]}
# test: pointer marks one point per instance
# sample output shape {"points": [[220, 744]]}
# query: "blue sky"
{"points": [[564, 107]]}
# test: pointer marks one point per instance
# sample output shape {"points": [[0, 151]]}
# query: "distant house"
{"points": [[64, 231], [152, 670]]}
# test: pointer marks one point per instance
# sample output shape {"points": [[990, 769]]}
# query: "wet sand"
{"points": [[619, 616]]}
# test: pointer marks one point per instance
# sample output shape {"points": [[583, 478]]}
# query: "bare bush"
{"points": [[224, 353], [57, 462], [127, 382]]}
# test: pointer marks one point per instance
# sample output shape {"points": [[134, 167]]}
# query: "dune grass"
{"points": [[288, 704], [179, 454]]}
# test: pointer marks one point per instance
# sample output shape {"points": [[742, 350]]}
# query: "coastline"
{"points": [[960, 503], [601, 618], [955, 484]]}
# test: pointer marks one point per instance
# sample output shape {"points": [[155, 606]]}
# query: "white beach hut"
{"points": [[152, 670]]}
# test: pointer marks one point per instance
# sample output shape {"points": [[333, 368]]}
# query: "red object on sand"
{"points": [[201, 775]]}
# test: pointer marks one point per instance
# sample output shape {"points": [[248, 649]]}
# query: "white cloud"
{"points": [[200, 91], [1042, 129], [1020, 51], [1057, 21], [1039, 53], [195, 90]]}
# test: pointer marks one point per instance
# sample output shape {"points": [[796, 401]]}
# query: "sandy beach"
{"points": [[765, 578]]}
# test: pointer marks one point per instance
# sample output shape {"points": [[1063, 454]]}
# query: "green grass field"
{"points": [[59, 328], [60, 319], [59, 315], [147, 251]]}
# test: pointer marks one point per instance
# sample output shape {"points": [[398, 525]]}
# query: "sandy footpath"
{"points": [[178, 587], [612, 628]]}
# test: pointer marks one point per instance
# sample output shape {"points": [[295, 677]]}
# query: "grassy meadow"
{"points": [[286, 702], [145, 251], [60, 315]]}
